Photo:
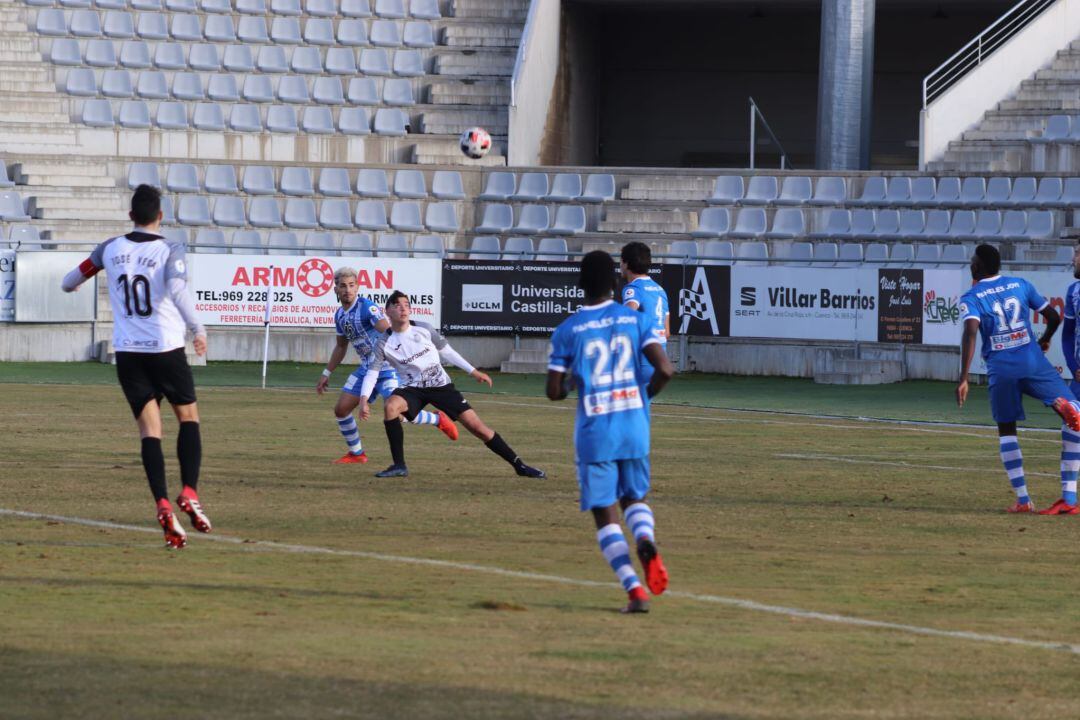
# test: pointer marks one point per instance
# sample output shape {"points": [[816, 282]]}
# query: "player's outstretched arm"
{"points": [[1050, 315], [86, 270], [336, 356], [556, 385], [664, 370], [967, 354]]}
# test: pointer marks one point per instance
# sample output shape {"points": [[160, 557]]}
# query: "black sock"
{"points": [[396, 435], [154, 462], [498, 446], [189, 451]]}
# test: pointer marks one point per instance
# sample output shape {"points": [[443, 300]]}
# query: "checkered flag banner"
{"points": [[694, 304]]}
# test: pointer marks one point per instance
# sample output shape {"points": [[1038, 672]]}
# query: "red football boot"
{"points": [[639, 602], [1068, 412], [349, 459], [1060, 507], [1020, 507], [175, 537], [447, 426], [656, 576], [188, 501]]}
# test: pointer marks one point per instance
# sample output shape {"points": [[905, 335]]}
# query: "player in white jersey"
{"points": [[416, 351], [152, 309]]}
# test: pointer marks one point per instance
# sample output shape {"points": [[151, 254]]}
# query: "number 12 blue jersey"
{"points": [[1002, 306], [600, 347]]}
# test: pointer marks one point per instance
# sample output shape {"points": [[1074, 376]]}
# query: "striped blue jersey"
{"points": [[1072, 311], [652, 302], [357, 324], [1003, 305], [600, 346]]}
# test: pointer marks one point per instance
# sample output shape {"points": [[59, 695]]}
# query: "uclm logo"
{"points": [[314, 277]]}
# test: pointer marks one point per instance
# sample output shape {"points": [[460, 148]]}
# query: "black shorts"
{"points": [[152, 376], [445, 397]]}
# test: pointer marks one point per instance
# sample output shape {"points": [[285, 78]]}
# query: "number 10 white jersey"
{"points": [[138, 267]]}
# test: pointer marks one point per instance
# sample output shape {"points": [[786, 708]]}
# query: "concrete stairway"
{"points": [[531, 356]]}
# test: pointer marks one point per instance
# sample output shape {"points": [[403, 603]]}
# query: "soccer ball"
{"points": [[475, 143]]}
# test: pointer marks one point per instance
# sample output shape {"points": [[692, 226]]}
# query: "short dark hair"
{"points": [[637, 256], [145, 205], [394, 297], [597, 274], [989, 259]]}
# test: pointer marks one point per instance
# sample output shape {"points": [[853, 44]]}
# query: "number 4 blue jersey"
{"points": [[1002, 306], [652, 302], [600, 347]]}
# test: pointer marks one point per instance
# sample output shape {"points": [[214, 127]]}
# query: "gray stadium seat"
{"points": [[251, 7], [237, 58], [429, 246], [873, 192], [111, 4], [798, 254], [442, 217], [171, 116], [877, 253], [1070, 193], [263, 212], [281, 119], [787, 223], [390, 8], [1022, 193], [75, 3], [356, 244], [762, 190], [99, 53], [187, 86], [134, 114], [340, 61], [533, 220], [168, 213], [285, 31], [898, 193], [923, 191], [355, 8], [425, 9], [409, 63], [484, 247], [362, 91], [937, 225], [987, 224], [398, 92], [319, 31], [222, 87], [352, 33], [532, 187], [863, 223], [499, 186], [97, 113], [317, 120], [405, 216], [283, 242], [419, 34], [5, 181], [713, 222], [335, 214], [327, 91], [204, 56], [252, 30], [374, 61], [258, 89], [551, 249], [221, 180], [385, 33], [795, 191], [447, 185], [300, 213], [116, 84], [962, 226], [23, 235], [391, 245], [247, 242], [569, 220], [391, 122], [565, 187], [998, 190], [143, 173], [954, 255], [410, 184], [193, 210], [211, 242], [717, 252], [182, 178], [830, 191], [598, 188], [85, 23], [245, 118], [851, 254], [81, 82], [749, 223], [948, 192], [134, 54], [371, 215], [1049, 193], [728, 190], [271, 59], [902, 255], [306, 60], [293, 89], [320, 243], [912, 224], [170, 56], [186, 27], [180, 5], [372, 183], [152, 26], [497, 219], [229, 211], [1013, 225], [286, 7], [752, 254], [259, 180], [296, 180], [354, 121], [825, 254], [51, 21], [972, 192], [1040, 225], [837, 225], [223, 7], [321, 8], [334, 182], [886, 225], [11, 207], [518, 248], [1058, 128]]}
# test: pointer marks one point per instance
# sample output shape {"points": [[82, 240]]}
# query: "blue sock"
{"points": [[351, 433], [617, 553], [1070, 464], [640, 520], [1013, 460], [426, 418]]}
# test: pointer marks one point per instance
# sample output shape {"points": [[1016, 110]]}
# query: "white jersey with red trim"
{"points": [[138, 267]]}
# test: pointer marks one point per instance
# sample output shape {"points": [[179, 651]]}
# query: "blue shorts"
{"points": [[384, 386], [1042, 383], [605, 483]]}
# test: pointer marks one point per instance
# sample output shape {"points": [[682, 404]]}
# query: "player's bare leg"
{"points": [[617, 553], [639, 519], [497, 445], [189, 453], [343, 412], [394, 409], [153, 460]]}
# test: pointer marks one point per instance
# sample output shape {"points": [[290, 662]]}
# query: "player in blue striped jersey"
{"points": [[360, 323], [644, 294], [1069, 337], [999, 307], [600, 350]]}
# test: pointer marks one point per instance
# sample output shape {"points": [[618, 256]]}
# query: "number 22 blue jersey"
{"points": [[1003, 305], [600, 347]]}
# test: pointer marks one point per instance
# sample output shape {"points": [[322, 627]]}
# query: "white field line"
{"points": [[521, 575], [891, 463]]}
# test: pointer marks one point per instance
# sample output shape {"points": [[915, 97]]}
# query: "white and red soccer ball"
{"points": [[475, 142]]}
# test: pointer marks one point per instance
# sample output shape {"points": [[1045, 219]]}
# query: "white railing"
{"points": [[981, 47], [533, 82]]}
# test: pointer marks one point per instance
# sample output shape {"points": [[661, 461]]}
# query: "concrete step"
{"points": [[67, 181], [451, 155], [668, 188], [9, 85], [19, 56], [508, 9], [67, 213], [1051, 105], [106, 203], [455, 122], [510, 366], [67, 166], [529, 356], [460, 92], [26, 72], [475, 64], [482, 36]]}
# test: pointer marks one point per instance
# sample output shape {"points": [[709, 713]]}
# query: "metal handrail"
{"points": [[519, 60], [755, 113], [981, 47]]}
